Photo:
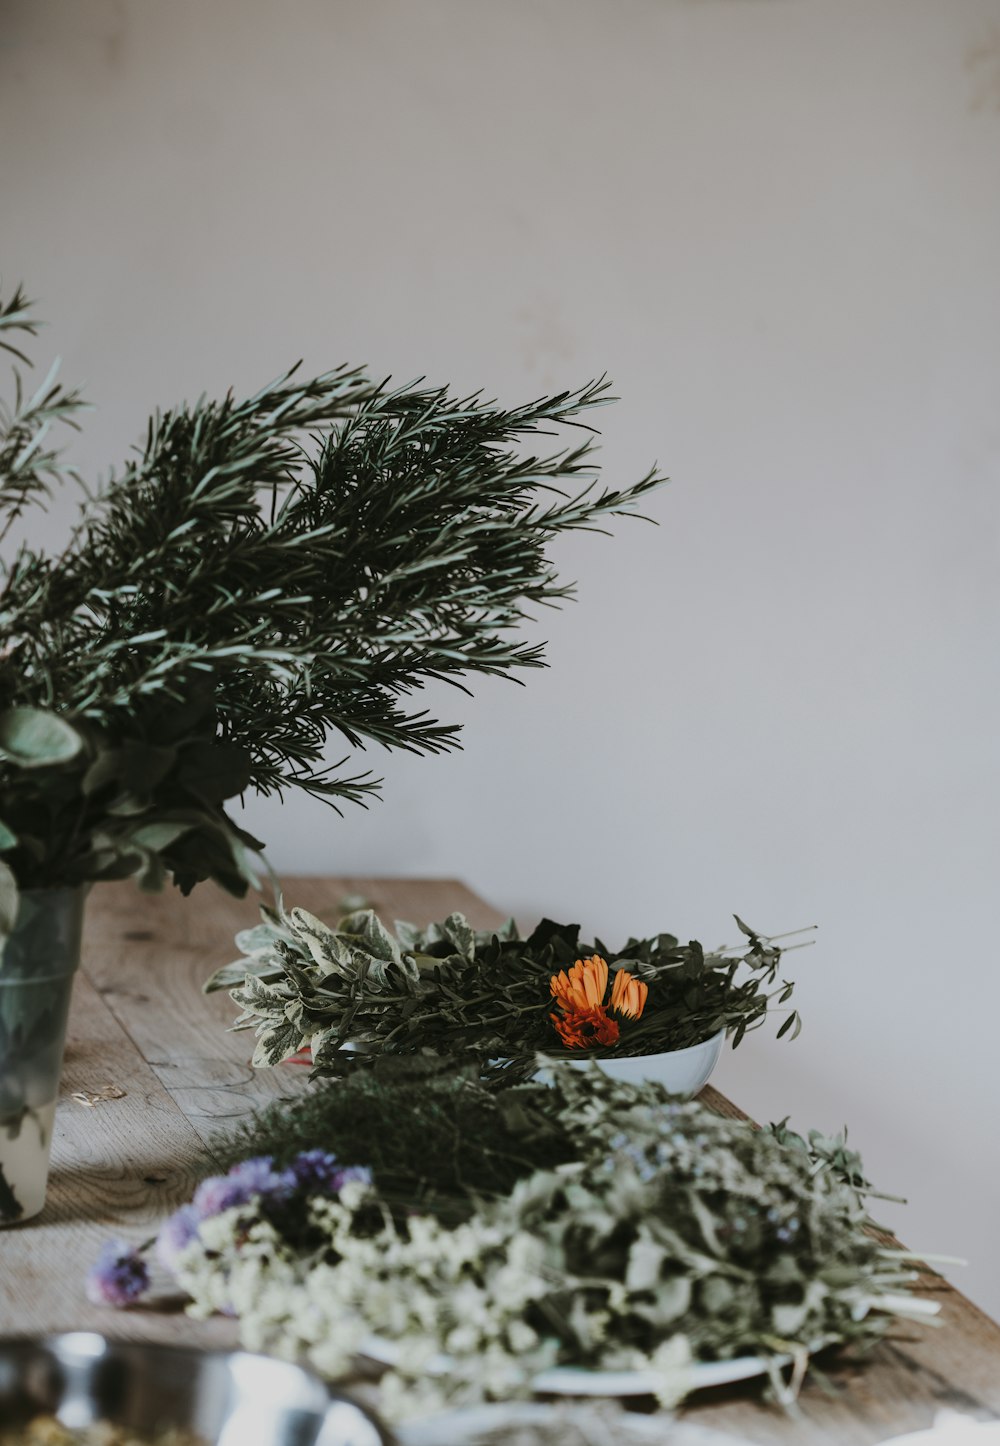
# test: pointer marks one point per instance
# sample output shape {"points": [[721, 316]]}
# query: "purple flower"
{"points": [[318, 1172], [176, 1233], [244, 1181], [119, 1275]]}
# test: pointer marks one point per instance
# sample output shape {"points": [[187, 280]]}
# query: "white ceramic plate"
{"points": [[574, 1381], [577, 1381]]}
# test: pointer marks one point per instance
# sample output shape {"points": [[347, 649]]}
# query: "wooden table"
{"points": [[141, 1022]]}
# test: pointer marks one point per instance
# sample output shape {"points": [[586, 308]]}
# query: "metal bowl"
{"points": [[230, 1398]]}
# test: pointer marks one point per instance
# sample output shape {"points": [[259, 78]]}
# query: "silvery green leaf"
{"points": [[265, 998], [260, 940], [375, 974], [36, 738], [407, 934], [369, 927], [275, 1044], [234, 974], [8, 839], [326, 1046], [459, 932], [319, 939], [301, 979], [9, 900], [645, 1258], [158, 835], [422, 963]]}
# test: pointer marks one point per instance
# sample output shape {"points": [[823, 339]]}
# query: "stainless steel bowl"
{"points": [[230, 1398]]}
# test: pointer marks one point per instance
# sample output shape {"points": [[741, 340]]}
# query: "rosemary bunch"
{"points": [[266, 572]]}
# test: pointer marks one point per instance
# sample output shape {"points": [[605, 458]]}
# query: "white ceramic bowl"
{"points": [[681, 1071]]}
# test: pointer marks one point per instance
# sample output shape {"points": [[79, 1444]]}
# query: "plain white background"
{"points": [[776, 224]]}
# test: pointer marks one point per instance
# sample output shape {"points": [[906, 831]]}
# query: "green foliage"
{"points": [[32, 738], [411, 1122], [629, 1223], [29, 464], [268, 572], [451, 989], [111, 808]]}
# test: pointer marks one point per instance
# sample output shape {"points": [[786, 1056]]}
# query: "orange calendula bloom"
{"points": [[583, 987], [628, 995], [579, 993], [581, 1028]]}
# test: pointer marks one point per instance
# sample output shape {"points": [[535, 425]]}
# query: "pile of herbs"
{"points": [[450, 988], [410, 1122], [631, 1232], [264, 574]]}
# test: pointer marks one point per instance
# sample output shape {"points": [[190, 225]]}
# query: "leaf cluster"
{"points": [[452, 989], [113, 807], [419, 1155], [654, 1219], [295, 564]]}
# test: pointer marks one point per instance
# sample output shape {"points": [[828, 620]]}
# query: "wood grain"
{"points": [[140, 1021]]}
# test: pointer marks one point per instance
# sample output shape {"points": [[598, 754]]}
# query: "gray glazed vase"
{"points": [[37, 963]]}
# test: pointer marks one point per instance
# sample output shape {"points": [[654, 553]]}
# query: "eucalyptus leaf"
{"points": [[157, 835], [36, 738], [135, 767], [9, 901]]}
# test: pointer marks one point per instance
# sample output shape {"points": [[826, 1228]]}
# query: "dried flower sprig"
{"points": [[656, 1235]]}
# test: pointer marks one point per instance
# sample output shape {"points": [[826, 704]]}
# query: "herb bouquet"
{"points": [[265, 574], [362, 990], [587, 1224]]}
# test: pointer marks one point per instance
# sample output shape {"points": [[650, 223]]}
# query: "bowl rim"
{"points": [[704, 1045]]}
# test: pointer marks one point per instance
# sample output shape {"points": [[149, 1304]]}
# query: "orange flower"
{"points": [[581, 1028], [583, 987], [628, 995]]}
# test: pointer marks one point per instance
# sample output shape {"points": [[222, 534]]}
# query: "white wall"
{"points": [[776, 223]]}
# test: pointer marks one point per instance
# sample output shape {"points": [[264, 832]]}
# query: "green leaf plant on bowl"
{"points": [[362, 990], [264, 574]]}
